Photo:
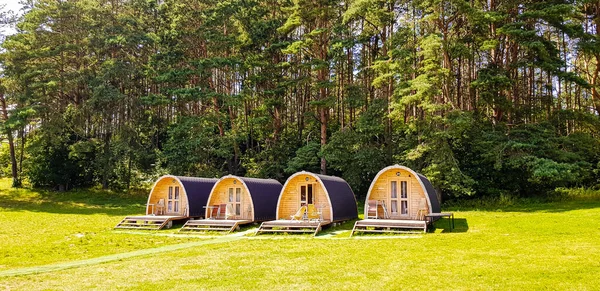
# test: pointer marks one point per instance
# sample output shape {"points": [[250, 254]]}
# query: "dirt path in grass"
{"points": [[115, 257]]}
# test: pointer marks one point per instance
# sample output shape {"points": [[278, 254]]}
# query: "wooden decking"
{"points": [[292, 226], [148, 222], [389, 225], [227, 225]]}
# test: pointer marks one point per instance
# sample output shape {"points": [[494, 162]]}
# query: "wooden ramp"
{"points": [[227, 225], [147, 222], [389, 225], [292, 226]]}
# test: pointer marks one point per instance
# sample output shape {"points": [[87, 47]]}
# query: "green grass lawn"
{"points": [[532, 246], [41, 227]]}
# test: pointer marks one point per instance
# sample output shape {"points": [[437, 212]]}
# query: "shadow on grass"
{"points": [[460, 225], [85, 202]]}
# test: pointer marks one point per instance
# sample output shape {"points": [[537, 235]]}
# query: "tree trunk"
{"points": [[11, 144], [106, 159]]}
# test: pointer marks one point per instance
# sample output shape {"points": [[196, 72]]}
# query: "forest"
{"points": [[487, 98]]}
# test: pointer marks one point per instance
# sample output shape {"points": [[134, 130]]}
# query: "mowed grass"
{"points": [[39, 227], [531, 246]]}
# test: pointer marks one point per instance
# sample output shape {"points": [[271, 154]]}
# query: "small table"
{"points": [[450, 216]]}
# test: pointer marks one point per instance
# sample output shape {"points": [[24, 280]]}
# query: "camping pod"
{"points": [[401, 193], [172, 198], [248, 199], [332, 196], [179, 196]]}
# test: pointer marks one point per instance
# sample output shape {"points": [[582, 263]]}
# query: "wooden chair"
{"points": [[160, 207], [222, 211], [214, 211], [229, 213], [312, 213], [422, 209], [372, 209], [299, 214]]}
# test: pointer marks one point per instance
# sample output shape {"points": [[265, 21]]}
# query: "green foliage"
{"points": [[4, 160], [490, 83], [307, 158], [358, 154], [525, 160], [488, 99], [60, 161], [192, 148]]}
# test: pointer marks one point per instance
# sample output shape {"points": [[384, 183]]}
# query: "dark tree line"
{"points": [[495, 97]]}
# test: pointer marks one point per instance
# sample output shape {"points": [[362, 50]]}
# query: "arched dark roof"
{"points": [[343, 201], [197, 190], [264, 194], [431, 193]]}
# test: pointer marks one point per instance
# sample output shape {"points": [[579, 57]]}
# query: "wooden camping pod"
{"points": [[249, 199], [400, 192], [331, 195], [172, 198], [179, 196]]}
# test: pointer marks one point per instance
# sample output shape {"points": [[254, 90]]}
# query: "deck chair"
{"points": [[214, 211], [372, 209], [300, 214], [312, 213], [160, 207], [422, 209], [222, 211], [229, 213]]}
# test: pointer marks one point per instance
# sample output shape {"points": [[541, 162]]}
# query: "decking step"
{"points": [[292, 226], [198, 222], [143, 222], [145, 218], [388, 231], [393, 226], [211, 225], [137, 227], [285, 230], [389, 223], [140, 224], [206, 229], [278, 226]]}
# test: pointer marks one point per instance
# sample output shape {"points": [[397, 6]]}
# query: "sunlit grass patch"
{"points": [[43, 227], [550, 245]]}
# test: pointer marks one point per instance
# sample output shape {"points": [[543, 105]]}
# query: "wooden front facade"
{"points": [[232, 192], [302, 189], [399, 194], [168, 197]]}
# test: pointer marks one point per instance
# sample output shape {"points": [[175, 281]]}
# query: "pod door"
{"points": [[398, 198], [235, 201], [173, 201], [307, 194]]}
